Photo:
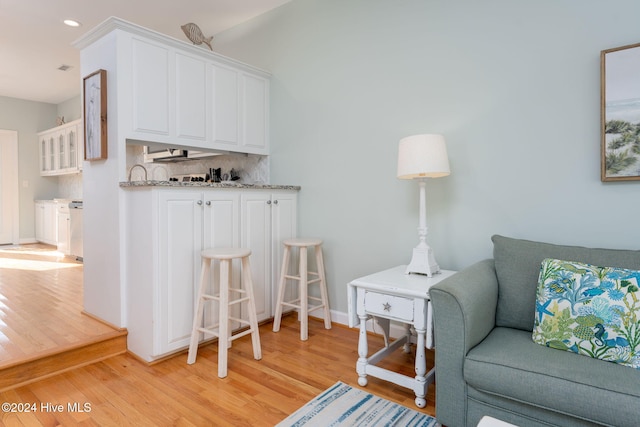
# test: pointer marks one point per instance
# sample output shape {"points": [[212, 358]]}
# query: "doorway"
{"points": [[9, 201]]}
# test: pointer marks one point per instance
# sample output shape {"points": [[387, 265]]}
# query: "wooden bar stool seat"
{"points": [[302, 301], [227, 296]]}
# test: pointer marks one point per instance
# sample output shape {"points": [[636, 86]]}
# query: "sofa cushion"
{"points": [[517, 265], [510, 365], [589, 310]]}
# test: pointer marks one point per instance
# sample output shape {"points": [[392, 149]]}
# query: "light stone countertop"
{"points": [[137, 184]]}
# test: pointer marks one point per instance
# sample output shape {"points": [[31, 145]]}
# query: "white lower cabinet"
{"points": [[46, 222], [183, 222]]}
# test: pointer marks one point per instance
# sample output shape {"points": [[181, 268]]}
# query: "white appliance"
{"points": [[75, 220]]}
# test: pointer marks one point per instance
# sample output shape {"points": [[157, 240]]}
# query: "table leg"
{"points": [[363, 349], [407, 346], [420, 387]]}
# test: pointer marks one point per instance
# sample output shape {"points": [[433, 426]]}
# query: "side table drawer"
{"points": [[388, 306]]}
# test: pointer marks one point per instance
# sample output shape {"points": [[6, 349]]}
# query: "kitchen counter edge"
{"points": [[173, 184]]}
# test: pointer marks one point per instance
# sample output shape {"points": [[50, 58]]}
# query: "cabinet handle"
{"points": [[268, 202], [199, 202], [275, 202], [386, 306], [208, 202]]}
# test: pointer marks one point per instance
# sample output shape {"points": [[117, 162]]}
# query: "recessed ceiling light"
{"points": [[71, 23]]}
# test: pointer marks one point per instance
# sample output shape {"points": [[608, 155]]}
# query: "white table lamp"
{"points": [[421, 157]]}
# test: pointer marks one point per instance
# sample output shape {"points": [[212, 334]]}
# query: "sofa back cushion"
{"points": [[518, 267]]}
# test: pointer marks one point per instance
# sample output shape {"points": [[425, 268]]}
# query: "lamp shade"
{"points": [[422, 156]]}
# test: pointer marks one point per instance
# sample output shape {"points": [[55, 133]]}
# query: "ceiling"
{"points": [[34, 42]]}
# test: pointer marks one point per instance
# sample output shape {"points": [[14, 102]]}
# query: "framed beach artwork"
{"points": [[620, 113], [95, 115]]}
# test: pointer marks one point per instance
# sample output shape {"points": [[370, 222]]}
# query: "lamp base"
{"points": [[423, 262]]}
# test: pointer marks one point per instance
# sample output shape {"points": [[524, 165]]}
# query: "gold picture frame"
{"points": [[620, 113], [94, 89]]}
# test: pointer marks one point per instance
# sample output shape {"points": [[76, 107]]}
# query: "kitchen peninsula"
{"points": [[168, 225]]}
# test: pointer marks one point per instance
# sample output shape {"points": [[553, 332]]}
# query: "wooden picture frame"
{"points": [[620, 113], [94, 89]]}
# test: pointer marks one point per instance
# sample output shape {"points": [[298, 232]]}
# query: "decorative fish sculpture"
{"points": [[194, 33]]}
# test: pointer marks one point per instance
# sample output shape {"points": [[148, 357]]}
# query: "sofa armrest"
{"points": [[464, 310]]}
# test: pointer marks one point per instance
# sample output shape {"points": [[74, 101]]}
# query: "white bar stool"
{"points": [[302, 302], [222, 328]]}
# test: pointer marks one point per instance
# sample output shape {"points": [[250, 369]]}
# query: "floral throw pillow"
{"points": [[589, 310]]}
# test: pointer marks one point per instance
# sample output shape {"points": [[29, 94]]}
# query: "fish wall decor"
{"points": [[194, 33]]}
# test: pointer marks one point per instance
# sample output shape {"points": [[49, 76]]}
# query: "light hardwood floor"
{"points": [[122, 390], [41, 317]]}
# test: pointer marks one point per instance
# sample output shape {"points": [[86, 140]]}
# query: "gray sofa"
{"points": [[486, 360]]}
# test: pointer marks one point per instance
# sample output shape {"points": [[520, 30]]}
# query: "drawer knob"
{"points": [[386, 306]]}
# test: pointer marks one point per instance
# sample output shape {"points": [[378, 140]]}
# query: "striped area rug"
{"points": [[342, 405]]}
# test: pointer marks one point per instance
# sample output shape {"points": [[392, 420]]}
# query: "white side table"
{"points": [[393, 295]]}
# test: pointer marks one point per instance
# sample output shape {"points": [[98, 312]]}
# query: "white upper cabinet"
{"points": [[174, 93], [150, 84], [61, 149]]}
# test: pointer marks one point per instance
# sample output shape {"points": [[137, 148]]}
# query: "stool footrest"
{"points": [[294, 277]]}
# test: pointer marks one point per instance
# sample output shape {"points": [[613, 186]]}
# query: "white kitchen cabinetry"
{"points": [[173, 93], [61, 149], [46, 222], [162, 288]]}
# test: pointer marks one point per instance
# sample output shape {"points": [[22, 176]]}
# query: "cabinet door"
{"points": [[191, 98], [50, 224], [62, 154], [180, 243], [151, 93], [221, 229], [255, 110], [225, 106], [64, 233], [284, 211], [80, 144], [39, 221], [71, 138], [256, 234], [52, 163], [44, 156]]}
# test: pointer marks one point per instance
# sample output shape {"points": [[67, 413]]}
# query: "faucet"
{"points": [[138, 165]]}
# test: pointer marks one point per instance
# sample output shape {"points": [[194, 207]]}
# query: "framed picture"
{"points": [[95, 115], [620, 113]]}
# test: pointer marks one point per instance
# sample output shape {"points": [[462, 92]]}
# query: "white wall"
{"points": [[512, 84], [28, 118]]}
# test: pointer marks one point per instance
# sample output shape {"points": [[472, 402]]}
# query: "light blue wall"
{"points": [[28, 118], [514, 86]]}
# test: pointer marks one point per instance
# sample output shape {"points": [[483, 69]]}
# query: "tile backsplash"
{"points": [[251, 169], [70, 186]]}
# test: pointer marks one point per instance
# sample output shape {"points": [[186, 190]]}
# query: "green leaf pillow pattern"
{"points": [[589, 310]]}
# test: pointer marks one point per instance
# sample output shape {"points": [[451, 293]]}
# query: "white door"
{"points": [[9, 187]]}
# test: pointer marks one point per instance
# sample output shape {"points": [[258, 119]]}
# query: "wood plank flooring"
{"points": [[41, 317], [123, 391]]}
